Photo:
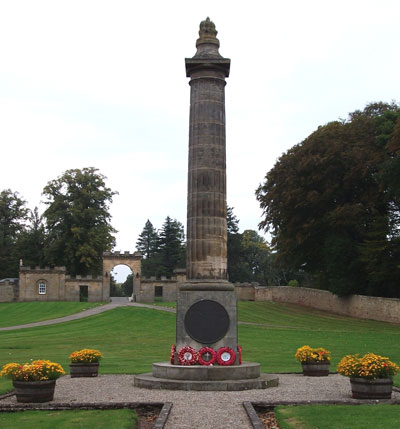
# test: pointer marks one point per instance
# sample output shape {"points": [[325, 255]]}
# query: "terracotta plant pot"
{"points": [[316, 369], [381, 388], [84, 369], [34, 391]]}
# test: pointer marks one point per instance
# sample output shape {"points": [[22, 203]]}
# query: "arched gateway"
{"points": [[112, 259]]}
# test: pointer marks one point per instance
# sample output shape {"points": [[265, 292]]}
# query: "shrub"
{"points": [[370, 366], [38, 370], [308, 355], [85, 356]]}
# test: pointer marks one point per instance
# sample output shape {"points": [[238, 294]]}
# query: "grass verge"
{"points": [[338, 416], [99, 419]]}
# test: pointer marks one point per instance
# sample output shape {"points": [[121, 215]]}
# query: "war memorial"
{"points": [[207, 355]]}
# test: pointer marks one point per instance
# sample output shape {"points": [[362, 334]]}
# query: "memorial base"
{"points": [[204, 378], [206, 315]]}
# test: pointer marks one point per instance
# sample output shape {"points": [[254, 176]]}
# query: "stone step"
{"points": [[148, 381], [245, 371]]}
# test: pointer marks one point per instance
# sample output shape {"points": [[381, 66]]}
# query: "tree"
{"points": [[172, 249], [148, 240], [328, 208], [13, 214], [127, 285], [78, 220], [250, 259], [237, 271], [32, 241]]}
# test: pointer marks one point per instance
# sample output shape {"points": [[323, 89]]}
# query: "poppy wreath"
{"points": [[226, 356], [173, 350], [240, 354], [205, 350], [187, 356]]}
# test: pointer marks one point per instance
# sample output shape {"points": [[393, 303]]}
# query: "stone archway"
{"points": [[112, 259]]}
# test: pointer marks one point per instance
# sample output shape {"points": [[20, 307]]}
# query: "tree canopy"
{"points": [[78, 220], [163, 250], [13, 215], [331, 203]]}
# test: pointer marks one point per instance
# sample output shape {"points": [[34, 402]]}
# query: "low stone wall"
{"points": [[363, 307], [8, 291], [245, 291]]}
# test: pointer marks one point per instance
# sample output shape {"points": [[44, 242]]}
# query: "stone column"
{"points": [[206, 205], [206, 302]]}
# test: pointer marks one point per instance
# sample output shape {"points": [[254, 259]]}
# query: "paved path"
{"points": [[214, 410], [87, 313]]}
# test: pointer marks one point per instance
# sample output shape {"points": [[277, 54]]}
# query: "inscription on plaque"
{"points": [[206, 321]]}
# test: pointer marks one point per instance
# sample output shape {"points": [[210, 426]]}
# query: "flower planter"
{"points": [[34, 391], [381, 388], [315, 369], [84, 369]]}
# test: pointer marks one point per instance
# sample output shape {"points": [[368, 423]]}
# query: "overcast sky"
{"points": [[102, 84]]}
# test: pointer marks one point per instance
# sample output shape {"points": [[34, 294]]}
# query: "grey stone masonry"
{"points": [[206, 205]]}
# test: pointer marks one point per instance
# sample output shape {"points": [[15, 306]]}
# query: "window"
{"points": [[42, 288]]}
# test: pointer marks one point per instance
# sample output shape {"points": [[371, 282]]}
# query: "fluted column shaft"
{"points": [[206, 209]]}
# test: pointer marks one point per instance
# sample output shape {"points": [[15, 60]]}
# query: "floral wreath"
{"points": [[226, 356], [205, 350], [240, 354], [173, 350], [187, 356]]}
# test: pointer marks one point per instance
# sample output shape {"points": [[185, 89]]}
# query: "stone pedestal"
{"points": [[207, 316]]}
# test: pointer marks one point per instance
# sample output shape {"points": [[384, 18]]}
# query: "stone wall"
{"points": [[58, 286], [8, 291], [364, 307], [146, 291], [30, 278], [245, 291], [94, 284]]}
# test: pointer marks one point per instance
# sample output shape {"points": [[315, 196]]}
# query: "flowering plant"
{"points": [[38, 370], [370, 366], [306, 354], [85, 356]]}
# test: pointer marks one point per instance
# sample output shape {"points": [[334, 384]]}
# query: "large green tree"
{"points": [[148, 241], [13, 215], [328, 207], [163, 250], [172, 248], [78, 220], [32, 241]]}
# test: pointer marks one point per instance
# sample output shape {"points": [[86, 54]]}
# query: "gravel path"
{"points": [[206, 409]]}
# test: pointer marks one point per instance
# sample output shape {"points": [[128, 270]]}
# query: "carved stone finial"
{"points": [[207, 29], [207, 44]]}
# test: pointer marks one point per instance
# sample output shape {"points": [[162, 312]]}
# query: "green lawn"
{"points": [[19, 313], [338, 416], [132, 338], [99, 419]]}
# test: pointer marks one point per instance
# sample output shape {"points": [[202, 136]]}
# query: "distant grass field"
{"points": [[19, 313], [99, 419], [132, 338]]}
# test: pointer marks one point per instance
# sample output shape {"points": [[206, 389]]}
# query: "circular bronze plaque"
{"points": [[206, 321]]}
